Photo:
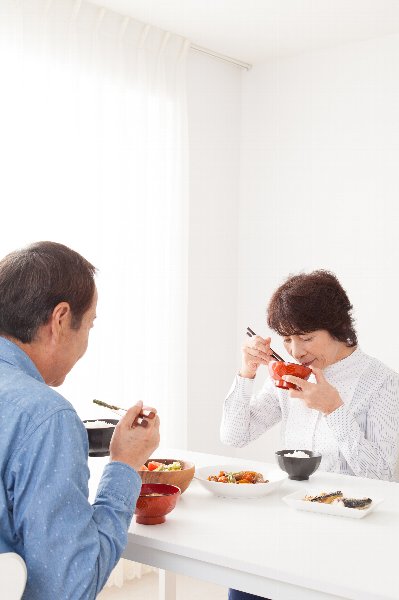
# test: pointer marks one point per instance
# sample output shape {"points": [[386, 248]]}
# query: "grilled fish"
{"points": [[325, 498], [359, 503]]}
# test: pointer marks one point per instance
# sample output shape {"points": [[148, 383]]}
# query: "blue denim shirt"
{"points": [[69, 545]]}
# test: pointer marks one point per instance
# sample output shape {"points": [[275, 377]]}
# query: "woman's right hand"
{"points": [[255, 351]]}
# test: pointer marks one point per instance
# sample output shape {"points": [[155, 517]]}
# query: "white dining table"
{"points": [[264, 547]]}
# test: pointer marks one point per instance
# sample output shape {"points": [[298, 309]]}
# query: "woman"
{"points": [[349, 413]]}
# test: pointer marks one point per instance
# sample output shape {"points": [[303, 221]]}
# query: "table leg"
{"points": [[166, 585]]}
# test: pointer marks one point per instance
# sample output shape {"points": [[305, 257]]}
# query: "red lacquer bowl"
{"points": [[151, 510], [278, 368]]}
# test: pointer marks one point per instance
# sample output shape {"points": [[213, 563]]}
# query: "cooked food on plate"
{"points": [[325, 497], [359, 503], [238, 477], [338, 498]]}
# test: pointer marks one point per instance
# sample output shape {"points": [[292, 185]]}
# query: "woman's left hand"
{"points": [[321, 395]]}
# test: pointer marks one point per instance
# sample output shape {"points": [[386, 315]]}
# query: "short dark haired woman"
{"points": [[350, 413]]}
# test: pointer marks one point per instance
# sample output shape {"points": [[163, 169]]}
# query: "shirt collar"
{"points": [[14, 355]]}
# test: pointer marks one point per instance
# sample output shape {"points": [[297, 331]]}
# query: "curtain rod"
{"points": [[234, 61]]}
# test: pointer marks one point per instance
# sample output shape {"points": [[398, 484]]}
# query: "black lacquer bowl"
{"points": [[100, 437], [298, 468]]}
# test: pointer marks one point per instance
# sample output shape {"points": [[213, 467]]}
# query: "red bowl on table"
{"points": [[277, 369], [155, 501]]}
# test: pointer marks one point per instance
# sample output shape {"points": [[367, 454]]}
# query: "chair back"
{"points": [[12, 576]]}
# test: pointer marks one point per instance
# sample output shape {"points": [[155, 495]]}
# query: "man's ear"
{"points": [[60, 319]]}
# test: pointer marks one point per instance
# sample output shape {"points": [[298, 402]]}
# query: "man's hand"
{"points": [[134, 444], [320, 395]]}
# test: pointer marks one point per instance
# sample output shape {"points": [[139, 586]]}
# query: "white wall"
{"points": [[214, 112], [320, 187]]}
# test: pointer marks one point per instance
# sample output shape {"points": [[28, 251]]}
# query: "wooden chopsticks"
{"points": [[140, 420], [251, 333]]}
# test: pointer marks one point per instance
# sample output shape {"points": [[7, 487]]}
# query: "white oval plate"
{"points": [[296, 501], [231, 490]]}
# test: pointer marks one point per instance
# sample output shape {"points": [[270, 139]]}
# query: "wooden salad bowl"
{"points": [[181, 479]]}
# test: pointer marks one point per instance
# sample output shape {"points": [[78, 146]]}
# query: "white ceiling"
{"points": [[257, 30]]}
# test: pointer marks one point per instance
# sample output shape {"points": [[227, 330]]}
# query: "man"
{"points": [[47, 308]]}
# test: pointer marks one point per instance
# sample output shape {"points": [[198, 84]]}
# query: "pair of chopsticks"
{"points": [[274, 354], [141, 420]]}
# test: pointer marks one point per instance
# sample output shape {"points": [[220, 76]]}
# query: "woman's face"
{"points": [[317, 348]]}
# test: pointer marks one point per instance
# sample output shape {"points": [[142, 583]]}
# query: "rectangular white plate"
{"points": [[296, 501]]}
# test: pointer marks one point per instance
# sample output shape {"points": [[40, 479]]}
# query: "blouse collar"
{"points": [[349, 362]]}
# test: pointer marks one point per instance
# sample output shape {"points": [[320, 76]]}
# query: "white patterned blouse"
{"points": [[361, 437]]}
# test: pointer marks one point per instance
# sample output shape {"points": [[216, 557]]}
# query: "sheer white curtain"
{"points": [[93, 155]]}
